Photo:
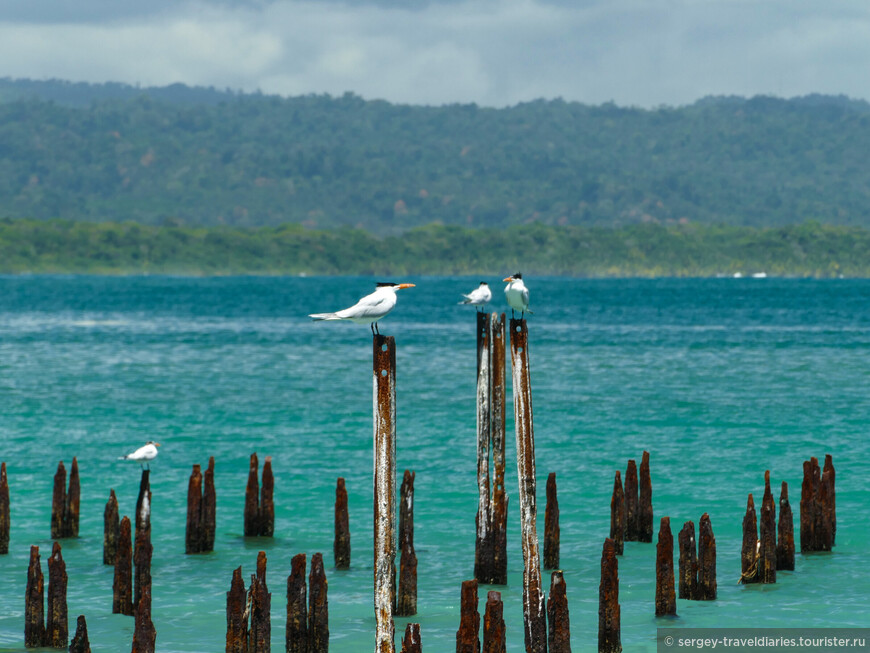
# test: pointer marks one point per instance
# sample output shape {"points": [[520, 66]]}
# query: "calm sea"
{"points": [[719, 379]]}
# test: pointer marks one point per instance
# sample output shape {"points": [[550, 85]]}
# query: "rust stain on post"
{"points": [[318, 607], [609, 638], [341, 544], [111, 529], [80, 643], [467, 639], [785, 532], [411, 641], [252, 502], [632, 503], [645, 508], [4, 511], [34, 606], [384, 400], [493, 624], [534, 616], [767, 535], [666, 600], [56, 625], [483, 540], [122, 587], [237, 616], [559, 638], [706, 560], [551, 525], [617, 514], [687, 587], [406, 599], [296, 636], [498, 512], [750, 549]]}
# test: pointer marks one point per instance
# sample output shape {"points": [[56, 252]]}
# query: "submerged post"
{"points": [[73, 500], [111, 529], [785, 532], [34, 604], [296, 636], [384, 388], [56, 626], [144, 633], [687, 587], [411, 641], [80, 643], [58, 502], [534, 616], [237, 617], [666, 601], [4, 511], [493, 624], [209, 507], [193, 539], [617, 514], [750, 549], [341, 544], [406, 598], [318, 607], [609, 639], [706, 560], [260, 632], [122, 587], [267, 504], [767, 535], [252, 503], [551, 525], [467, 639], [828, 476], [483, 541], [559, 637], [645, 508], [632, 503]]}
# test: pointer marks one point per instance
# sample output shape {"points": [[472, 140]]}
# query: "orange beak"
{"points": [[406, 285], [156, 444], [508, 279]]}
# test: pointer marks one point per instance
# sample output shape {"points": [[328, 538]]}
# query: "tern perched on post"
{"points": [[517, 294], [144, 454], [480, 296], [370, 309]]}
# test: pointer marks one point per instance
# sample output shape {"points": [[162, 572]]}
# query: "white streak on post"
{"points": [[484, 421]]}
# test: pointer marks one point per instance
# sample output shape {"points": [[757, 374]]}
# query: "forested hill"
{"points": [[205, 157]]}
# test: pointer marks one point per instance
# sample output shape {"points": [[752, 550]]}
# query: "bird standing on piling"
{"points": [[480, 296], [145, 454], [517, 294], [370, 308]]}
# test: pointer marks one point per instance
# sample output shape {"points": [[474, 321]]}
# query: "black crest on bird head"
{"points": [[384, 284], [518, 275], [484, 283]]}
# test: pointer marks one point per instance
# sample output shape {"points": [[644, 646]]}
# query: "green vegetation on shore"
{"points": [[61, 246]]}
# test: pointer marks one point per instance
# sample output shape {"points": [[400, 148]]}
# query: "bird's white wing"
{"points": [[375, 305], [525, 296]]}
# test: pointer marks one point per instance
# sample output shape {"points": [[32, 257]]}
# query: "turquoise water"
{"points": [[718, 379]]}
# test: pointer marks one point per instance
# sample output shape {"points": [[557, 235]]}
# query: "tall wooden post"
{"points": [[4, 510], [767, 535], [406, 598], [499, 508], [609, 637], [341, 543], [666, 600], [483, 540]]}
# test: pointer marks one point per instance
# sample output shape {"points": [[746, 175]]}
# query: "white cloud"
{"points": [[493, 52]]}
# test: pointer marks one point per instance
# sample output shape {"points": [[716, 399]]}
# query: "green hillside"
{"points": [[206, 157]]}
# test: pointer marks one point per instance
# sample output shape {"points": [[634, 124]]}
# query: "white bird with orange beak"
{"points": [[517, 294], [370, 309], [144, 454]]}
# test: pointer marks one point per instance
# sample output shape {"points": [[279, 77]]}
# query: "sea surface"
{"points": [[719, 379]]}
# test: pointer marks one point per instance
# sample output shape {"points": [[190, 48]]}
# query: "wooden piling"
{"points": [[122, 586], [534, 616], [384, 389], [4, 511], [296, 637], [34, 606], [785, 532], [493, 624], [144, 493], [645, 508], [706, 560], [559, 635], [666, 600], [318, 607], [341, 544], [632, 503], [817, 513], [260, 632], [237, 616], [58, 502], [687, 587], [551, 525], [193, 536], [499, 510], [144, 633], [267, 504], [467, 640], [808, 509], [825, 512], [72, 503], [111, 529], [209, 507], [411, 641], [832, 502], [406, 598], [749, 553], [80, 643], [142, 552], [767, 535], [483, 538], [252, 499], [56, 624], [609, 638], [617, 514]]}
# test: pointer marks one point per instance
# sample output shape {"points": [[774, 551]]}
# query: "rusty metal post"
{"points": [[209, 507], [252, 499], [687, 587], [617, 514], [534, 616], [411, 641], [142, 552], [4, 511], [785, 533], [267, 505], [193, 539], [122, 587], [551, 525], [58, 502], [144, 633], [645, 508], [666, 600], [260, 633], [467, 639], [609, 638], [80, 643], [632, 503], [237, 616], [749, 552], [318, 607], [483, 540], [341, 544], [499, 509], [832, 502], [296, 637], [56, 624], [406, 598], [767, 535], [559, 636], [34, 604], [706, 560], [384, 389], [72, 502], [111, 529], [493, 624]]}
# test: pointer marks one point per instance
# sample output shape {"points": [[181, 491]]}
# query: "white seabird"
{"points": [[517, 294], [370, 308], [143, 454], [480, 296]]}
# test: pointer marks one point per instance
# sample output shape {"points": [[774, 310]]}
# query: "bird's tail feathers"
{"points": [[467, 300], [324, 316]]}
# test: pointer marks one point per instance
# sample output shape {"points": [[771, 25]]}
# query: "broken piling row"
{"points": [[201, 510], [818, 514], [307, 619], [259, 505], [65, 502], [46, 627], [697, 570]]}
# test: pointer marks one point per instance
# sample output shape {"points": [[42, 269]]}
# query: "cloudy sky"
{"points": [[492, 52]]}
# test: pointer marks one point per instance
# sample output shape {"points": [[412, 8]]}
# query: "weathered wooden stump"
{"points": [[706, 560], [297, 607], [4, 511], [617, 514], [56, 626], [666, 600], [559, 635], [318, 607], [749, 553], [237, 617], [767, 535], [406, 598], [209, 507], [551, 525], [687, 587], [80, 643], [785, 549], [341, 544], [482, 542], [111, 529], [493, 624], [144, 633], [831, 507], [252, 499], [34, 605], [645, 508], [259, 504], [632, 503], [122, 587], [411, 641], [65, 504], [73, 501], [609, 638], [142, 552], [467, 639], [260, 631], [267, 504], [201, 510]]}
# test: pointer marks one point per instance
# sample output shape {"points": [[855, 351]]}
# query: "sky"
{"points": [[498, 53]]}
